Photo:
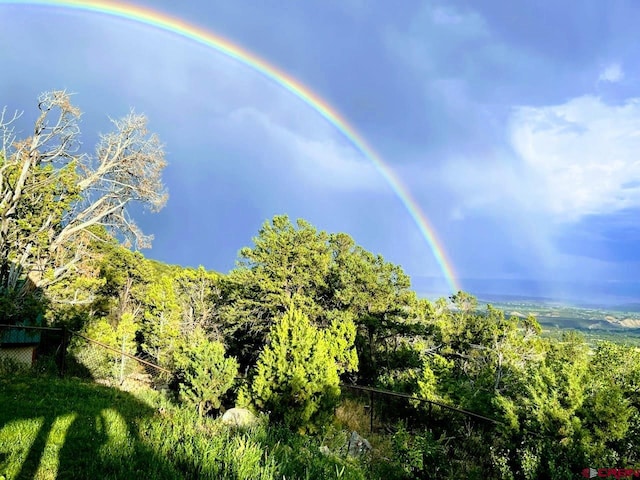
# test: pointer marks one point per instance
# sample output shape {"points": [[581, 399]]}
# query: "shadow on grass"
{"points": [[85, 430]]}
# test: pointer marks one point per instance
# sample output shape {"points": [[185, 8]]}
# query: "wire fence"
{"points": [[42, 348], [385, 409], [108, 364], [70, 353]]}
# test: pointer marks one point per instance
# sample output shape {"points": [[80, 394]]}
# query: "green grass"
{"points": [[53, 428]]}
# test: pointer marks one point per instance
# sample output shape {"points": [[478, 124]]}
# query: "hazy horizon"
{"points": [[579, 293]]}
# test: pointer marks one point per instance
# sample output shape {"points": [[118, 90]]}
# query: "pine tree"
{"points": [[161, 321], [205, 373], [297, 376]]}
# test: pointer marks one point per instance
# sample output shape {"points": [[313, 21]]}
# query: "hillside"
{"points": [[54, 428]]}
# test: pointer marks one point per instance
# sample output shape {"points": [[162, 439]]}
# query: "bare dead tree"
{"points": [[51, 194]]}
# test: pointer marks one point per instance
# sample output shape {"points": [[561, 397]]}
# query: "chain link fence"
{"points": [[39, 348], [107, 364], [68, 353]]}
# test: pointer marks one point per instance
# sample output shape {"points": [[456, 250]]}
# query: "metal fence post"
{"points": [[63, 353], [371, 412]]}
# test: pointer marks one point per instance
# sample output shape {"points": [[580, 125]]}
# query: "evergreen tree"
{"points": [[297, 375], [287, 264], [161, 321], [198, 293], [205, 374]]}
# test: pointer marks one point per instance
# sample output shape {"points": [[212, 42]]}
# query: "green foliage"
{"points": [[419, 454], [302, 308], [287, 264], [296, 376], [56, 428], [291, 260], [612, 410], [10, 366], [101, 362], [340, 337], [18, 307], [126, 275], [197, 292], [377, 295], [54, 195], [326, 276], [435, 380], [364, 283], [32, 222], [99, 432], [579, 414], [161, 321], [73, 301], [204, 372]]}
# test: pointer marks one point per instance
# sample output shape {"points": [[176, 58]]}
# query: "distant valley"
{"points": [[618, 324], [616, 319]]}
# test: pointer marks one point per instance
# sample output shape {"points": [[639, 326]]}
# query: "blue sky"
{"points": [[515, 125]]}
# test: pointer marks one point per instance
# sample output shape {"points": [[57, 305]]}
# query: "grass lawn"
{"points": [[52, 428]]}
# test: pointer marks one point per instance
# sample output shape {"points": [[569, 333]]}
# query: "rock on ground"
{"points": [[358, 445], [239, 417]]}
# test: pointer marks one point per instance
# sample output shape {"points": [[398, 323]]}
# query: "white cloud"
{"points": [[326, 160], [581, 157], [612, 73], [566, 162], [468, 22]]}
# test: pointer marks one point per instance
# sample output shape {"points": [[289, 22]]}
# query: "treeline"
{"points": [[302, 311]]}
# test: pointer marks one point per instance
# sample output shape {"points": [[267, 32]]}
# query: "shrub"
{"points": [[419, 453], [204, 373], [297, 377]]}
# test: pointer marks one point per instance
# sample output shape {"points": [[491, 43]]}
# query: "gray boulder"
{"points": [[358, 446], [239, 417]]}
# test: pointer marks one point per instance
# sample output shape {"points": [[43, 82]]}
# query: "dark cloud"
{"points": [[613, 238]]}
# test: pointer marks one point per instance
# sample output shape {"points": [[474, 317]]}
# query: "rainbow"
{"points": [[162, 21]]}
